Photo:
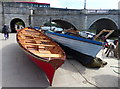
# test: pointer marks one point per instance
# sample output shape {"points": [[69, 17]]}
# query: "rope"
{"points": [[116, 72], [84, 76], [115, 66]]}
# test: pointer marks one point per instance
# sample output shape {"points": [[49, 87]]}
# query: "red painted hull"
{"points": [[46, 67], [49, 68]]}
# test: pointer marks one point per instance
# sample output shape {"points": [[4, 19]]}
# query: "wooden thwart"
{"points": [[44, 40], [37, 40], [44, 52], [49, 55], [47, 45]]}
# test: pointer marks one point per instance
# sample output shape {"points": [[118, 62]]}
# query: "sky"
{"points": [[79, 4]]}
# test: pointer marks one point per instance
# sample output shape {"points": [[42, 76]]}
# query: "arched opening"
{"points": [[14, 22], [64, 24], [103, 24]]}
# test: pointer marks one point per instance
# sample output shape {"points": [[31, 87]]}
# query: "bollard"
{"points": [[118, 48]]}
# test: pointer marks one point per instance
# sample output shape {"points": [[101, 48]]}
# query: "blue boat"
{"points": [[85, 49]]}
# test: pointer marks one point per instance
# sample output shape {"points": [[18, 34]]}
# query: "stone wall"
{"points": [[78, 18], [42, 15], [1, 17]]}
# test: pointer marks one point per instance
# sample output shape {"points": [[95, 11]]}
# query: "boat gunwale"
{"points": [[76, 38]]}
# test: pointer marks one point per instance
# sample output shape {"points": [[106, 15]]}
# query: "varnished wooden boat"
{"points": [[47, 54]]}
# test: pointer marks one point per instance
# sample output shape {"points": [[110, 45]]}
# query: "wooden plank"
{"points": [[47, 45], [109, 33], [44, 52], [98, 35], [43, 40], [41, 47], [30, 44], [104, 30], [42, 36], [35, 40], [49, 55]]}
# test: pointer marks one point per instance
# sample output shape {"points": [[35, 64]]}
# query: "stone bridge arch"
{"points": [[103, 23], [13, 23], [65, 24]]}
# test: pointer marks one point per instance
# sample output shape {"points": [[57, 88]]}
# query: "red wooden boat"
{"points": [[47, 54]]}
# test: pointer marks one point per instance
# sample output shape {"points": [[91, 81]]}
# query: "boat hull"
{"points": [[46, 67], [85, 46], [47, 60]]}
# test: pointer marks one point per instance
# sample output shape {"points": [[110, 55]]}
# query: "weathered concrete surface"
{"points": [[19, 71]]}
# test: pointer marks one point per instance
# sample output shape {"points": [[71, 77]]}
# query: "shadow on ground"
{"points": [[18, 70]]}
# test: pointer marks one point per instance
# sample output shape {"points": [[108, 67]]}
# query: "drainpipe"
{"points": [[85, 22], [3, 17], [85, 13], [50, 23], [31, 17]]}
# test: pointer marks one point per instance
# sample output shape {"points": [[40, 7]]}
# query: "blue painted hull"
{"points": [[82, 45]]}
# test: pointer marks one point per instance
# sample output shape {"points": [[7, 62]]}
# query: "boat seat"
{"points": [[42, 40], [44, 52], [42, 36], [45, 45], [49, 55], [28, 43], [41, 47]]}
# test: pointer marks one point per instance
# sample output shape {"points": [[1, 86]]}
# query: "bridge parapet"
{"points": [[56, 11], [102, 11]]}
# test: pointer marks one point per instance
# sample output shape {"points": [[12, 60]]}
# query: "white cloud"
{"points": [[43, 1], [79, 4], [104, 4], [55, 3]]}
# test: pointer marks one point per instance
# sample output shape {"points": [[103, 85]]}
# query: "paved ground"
{"points": [[18, 71]]}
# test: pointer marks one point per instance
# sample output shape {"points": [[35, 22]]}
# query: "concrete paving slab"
{"points": [[18, 71]]}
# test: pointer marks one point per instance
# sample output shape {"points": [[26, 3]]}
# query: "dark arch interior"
{"points": [[64, 24], [103, 24], [13, 22]]}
